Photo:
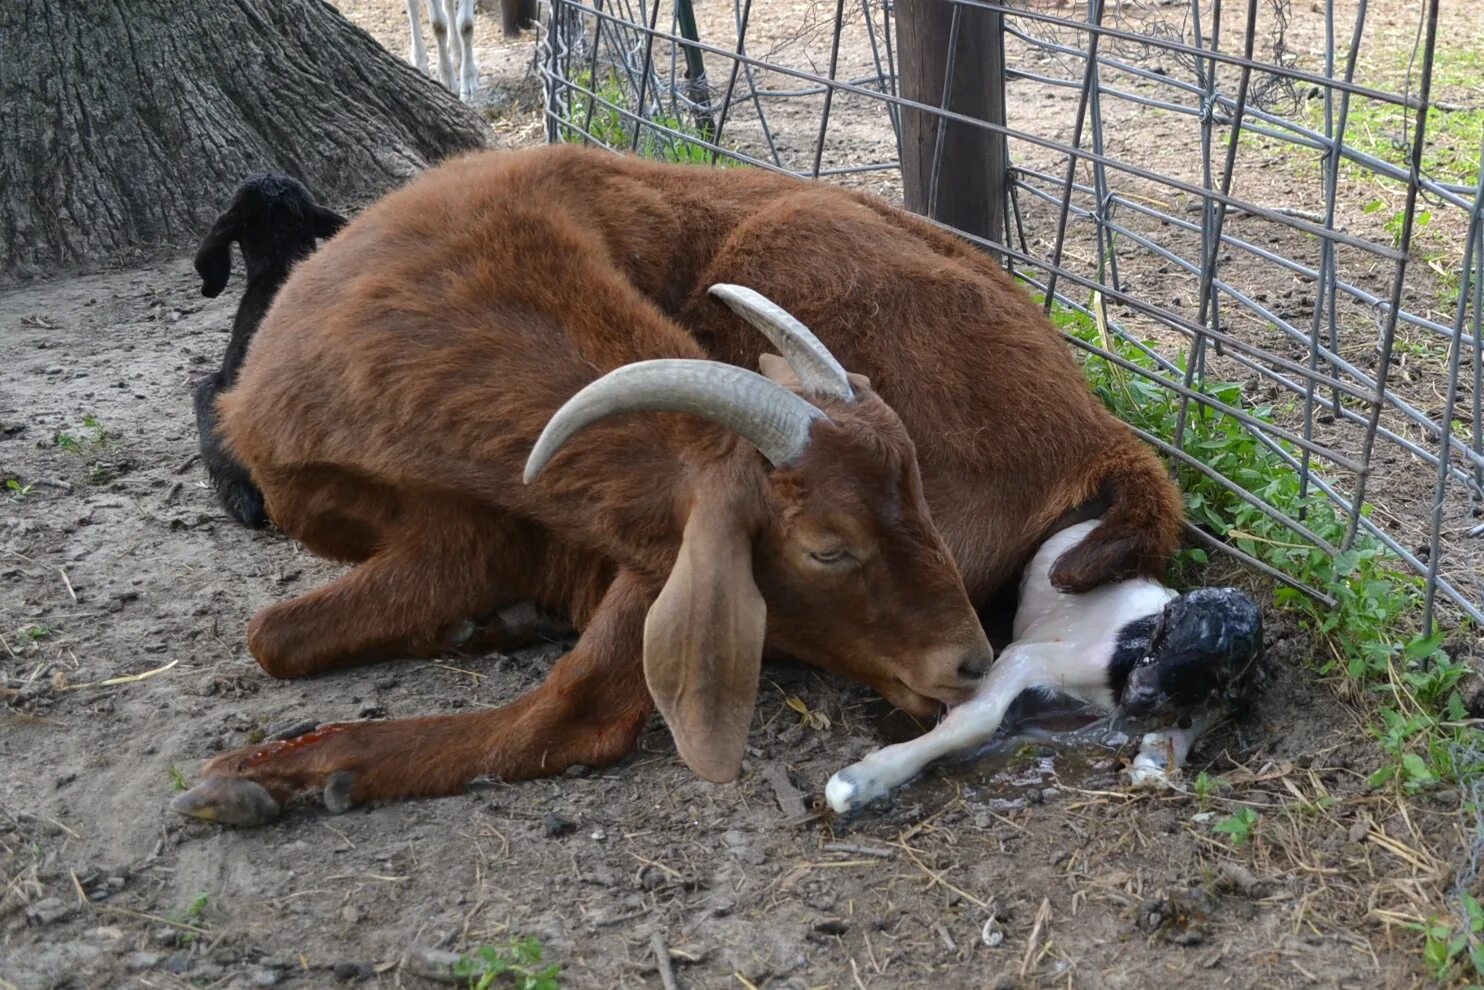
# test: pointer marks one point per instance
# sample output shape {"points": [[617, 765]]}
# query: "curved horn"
{"points": [[772, 418], [819, 373]]}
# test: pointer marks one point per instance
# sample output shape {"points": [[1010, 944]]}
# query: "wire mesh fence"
{"points": [[1261, 225]]}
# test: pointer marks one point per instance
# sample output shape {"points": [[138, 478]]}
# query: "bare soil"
{"points": [[123, 595]]}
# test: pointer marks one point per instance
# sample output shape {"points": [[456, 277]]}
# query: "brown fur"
{"points": [[391, 397]]}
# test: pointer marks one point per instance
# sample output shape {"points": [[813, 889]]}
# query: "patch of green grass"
{"points": [[1448, 947], [516, 964], [194, 914], [178, 781], [610, 126], [96, 438], [1238, 827], [1450, 150], [1371, 633], [16, 489], [1207, 787]]}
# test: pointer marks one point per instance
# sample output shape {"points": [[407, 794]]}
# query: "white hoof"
{"points": [[855, 787], [1151, 767]]}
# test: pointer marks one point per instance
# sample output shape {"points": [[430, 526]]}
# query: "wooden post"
{"points": [[972, 179]]}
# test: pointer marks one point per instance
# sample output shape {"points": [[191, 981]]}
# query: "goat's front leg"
{"points": [[419, 55], [435, 569], [1162, 754], [233, 484], [968, 726], [461, 15], [438, 14], [590, 710]]}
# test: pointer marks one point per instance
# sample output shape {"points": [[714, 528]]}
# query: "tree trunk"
{"points": [[971, 180], [126, 125]]}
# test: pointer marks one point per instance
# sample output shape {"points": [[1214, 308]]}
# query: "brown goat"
{"points": [[398, 385]]}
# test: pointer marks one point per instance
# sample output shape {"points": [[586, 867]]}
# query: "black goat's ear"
{"points": [[214, 256], [327, 222]]}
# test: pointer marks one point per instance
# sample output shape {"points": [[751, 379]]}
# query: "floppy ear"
{"points": [[703, 641], [327, 222], [214, 256], [777, 370]]}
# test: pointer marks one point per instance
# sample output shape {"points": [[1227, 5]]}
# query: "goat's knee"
{"points": [[439, 16], [270, 640]]}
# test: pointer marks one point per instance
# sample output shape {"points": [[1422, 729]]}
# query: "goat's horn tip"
{"points": [[726, 290]]}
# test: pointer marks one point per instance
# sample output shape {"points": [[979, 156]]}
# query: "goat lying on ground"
{"points": [[405, 372], [1134, 647], [275, 221]]}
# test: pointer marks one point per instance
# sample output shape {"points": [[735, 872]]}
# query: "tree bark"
{"points": [[126, 124], [971, 182]]}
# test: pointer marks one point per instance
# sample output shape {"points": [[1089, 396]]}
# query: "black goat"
{"points": [[275, 221]]}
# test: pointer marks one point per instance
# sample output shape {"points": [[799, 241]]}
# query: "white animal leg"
{"points": [[468, 73], [967, 726], [1163, 753], [439, 16], [419, 56]]}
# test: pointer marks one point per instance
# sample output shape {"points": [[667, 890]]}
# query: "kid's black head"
{"points": [[1203, 649], [275, 220]]}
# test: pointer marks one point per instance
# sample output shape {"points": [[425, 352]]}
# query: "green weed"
{"points": [[519, 962], [97, 437], [1238, 827], [1448, 946], [178, 780], [16, 489], [608, 125], [1206, 787], [194, 914]]}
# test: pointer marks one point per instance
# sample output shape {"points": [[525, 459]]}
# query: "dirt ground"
{"points": [[123, 595]]}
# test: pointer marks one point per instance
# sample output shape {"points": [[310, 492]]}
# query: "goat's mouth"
{"points": [[924, 704]]}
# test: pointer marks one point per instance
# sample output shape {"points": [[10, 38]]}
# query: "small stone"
{"points": [[831, 926], [350, 915], [48, 911], [1360, 830], [1154, 915], [106, 933], [432, 964], [138, 962], [263, 978], [557, 826], [179, 962], [1050, 794], [353, 971], [167, 937]]}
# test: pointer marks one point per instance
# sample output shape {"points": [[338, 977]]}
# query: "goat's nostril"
{"points": [[975, 667]]}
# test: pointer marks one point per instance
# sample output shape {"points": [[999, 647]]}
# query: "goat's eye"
{"points": [[832, 558]]}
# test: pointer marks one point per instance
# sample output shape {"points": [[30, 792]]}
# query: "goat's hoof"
{"points": [[1149, 771], [337, 792], [228, 801], [847, 791]]}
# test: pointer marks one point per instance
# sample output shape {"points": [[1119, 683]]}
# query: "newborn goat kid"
{"points": [[1135, 646], [275, 221]]}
